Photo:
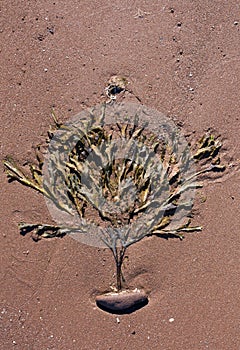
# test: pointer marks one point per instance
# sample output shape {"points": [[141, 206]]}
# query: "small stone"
{"points": [[124, 301], [117, 319], [171, 319], [235, 23]]}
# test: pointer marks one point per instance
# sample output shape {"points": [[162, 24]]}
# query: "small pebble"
{"points": [[171, 319], [122, 301], [118, 321], [235, 23]]}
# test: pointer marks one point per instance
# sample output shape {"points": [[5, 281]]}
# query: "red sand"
{"points": [[182, 58]]}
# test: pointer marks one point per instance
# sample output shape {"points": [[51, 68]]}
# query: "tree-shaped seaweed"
{"points": [[115, 174]]}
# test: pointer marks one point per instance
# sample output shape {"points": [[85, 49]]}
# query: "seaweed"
{"points": [[145, 192]]}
